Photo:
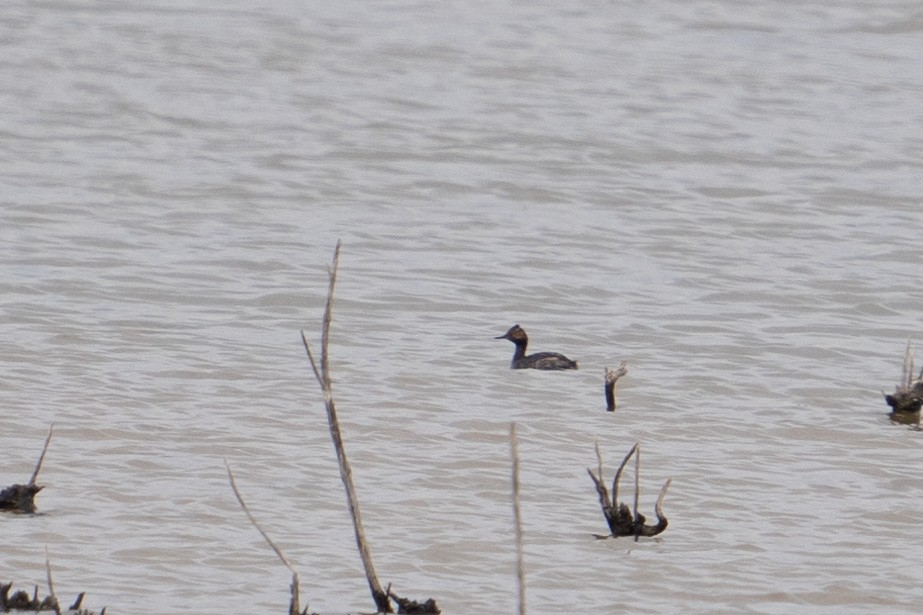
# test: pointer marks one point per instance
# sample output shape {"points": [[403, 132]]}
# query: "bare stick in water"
{"points": [[638, 515], [322, 373], [52, 597], [41, 457], [294, 607], [907, 376], [517, 520], [611, 387]]}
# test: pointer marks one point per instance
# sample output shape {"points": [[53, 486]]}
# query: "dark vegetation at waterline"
{"points": [[622, 520], [20, 600], [20, 498], [907, 399]]}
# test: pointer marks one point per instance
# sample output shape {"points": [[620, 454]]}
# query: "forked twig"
{"points": [[322, 373]]}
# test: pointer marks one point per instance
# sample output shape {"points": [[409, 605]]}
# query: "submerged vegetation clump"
{"points": [[907, 399], [622, 520], [20, 498], [21, 600]]}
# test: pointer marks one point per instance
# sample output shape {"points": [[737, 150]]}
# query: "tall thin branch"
{"points": [[382, 602], [517, 520], [41, 457]]}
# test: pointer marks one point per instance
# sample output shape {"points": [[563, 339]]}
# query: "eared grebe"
{"points": [[539, 360]]}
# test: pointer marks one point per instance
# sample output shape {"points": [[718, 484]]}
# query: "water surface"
{"points": [[725, 195]]}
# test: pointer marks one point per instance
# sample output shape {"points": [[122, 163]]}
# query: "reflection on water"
{"points": [[905, 418]]}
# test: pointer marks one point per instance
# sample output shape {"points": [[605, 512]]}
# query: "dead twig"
{"points": [[517, 522], [611, 386], [51, 595], [41, 457], [322, 373], [294, 607]]}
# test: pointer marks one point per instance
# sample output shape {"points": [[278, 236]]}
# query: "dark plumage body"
{"points": [[538, 360]]}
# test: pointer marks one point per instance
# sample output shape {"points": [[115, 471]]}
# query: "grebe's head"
{"points": [[515, 334]]}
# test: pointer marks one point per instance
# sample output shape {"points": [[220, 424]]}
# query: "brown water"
{"points": [[726, 195]]}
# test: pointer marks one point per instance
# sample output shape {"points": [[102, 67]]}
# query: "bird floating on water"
{"points": [[538, 360]]}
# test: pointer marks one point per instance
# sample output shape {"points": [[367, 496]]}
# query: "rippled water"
{"points": [[726, 195]]}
